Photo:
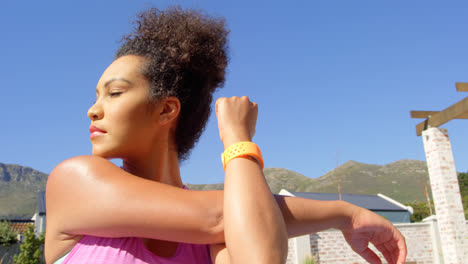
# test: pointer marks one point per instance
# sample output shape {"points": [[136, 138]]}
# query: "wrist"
{"points": [[235, 139], [346, 213], [242, 149]]}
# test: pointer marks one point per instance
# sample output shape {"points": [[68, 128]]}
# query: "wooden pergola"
{"points": [[458, 110]]}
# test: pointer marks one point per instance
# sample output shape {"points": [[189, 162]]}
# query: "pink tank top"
{"points": [[104, 250]]}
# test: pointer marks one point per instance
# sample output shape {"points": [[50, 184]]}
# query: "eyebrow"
{"points": [[114, 80]]}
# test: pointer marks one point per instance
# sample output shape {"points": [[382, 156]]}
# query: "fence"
{"points": [[7, 253]]}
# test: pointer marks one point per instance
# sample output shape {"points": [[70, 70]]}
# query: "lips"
{"points": [[95, 131]]}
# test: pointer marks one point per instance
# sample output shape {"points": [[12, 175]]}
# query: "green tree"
{"points": [[7, 235], [31, 251], [463, 182], [421, 211], [310, 260]]}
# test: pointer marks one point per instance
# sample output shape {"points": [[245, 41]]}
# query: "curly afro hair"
{"points": [[187, 57]]}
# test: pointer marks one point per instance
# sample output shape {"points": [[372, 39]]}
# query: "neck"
{"points": [[161, 165]]}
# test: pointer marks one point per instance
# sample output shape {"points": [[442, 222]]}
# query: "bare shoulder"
{"points": [[88, 195], [76, 168], [74, 178], [62, 188], [72, 184]]}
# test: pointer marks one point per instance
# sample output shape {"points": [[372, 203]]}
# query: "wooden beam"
{"points": [[426, 114], [462, 87], [442, 117]]}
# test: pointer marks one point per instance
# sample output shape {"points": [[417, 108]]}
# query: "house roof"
{"points": [[370, 202], [20, 226]]}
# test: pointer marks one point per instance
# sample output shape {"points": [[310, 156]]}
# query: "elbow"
{"points": [[215, 227], [280, 241], [213, 218], [283, 252], [282, 244], [285, 249], [277, 256], [279, 244]]}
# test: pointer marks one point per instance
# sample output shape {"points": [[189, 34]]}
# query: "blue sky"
{"points": [[334, 80]]}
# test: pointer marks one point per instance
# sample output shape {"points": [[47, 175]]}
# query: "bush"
{"points": [[463, 182], [7, 235], [310, 260], [421, 211], [31, 251]]}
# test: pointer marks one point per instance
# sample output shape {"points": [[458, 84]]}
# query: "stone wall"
{"points": [[291, 251], [330, 247]]}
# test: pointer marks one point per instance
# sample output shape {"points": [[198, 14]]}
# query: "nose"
{"points": [[95, 112]]}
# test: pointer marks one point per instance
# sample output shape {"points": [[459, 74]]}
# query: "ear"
{"points": [[169, 110]]}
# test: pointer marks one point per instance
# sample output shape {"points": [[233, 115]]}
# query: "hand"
{"points": [[365, 227], [237, 118]]}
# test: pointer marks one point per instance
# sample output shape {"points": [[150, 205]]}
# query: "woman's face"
{"points": [[122, 123]]}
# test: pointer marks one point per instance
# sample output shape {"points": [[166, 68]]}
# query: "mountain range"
{"points": [[402, 180], [18, 190]]}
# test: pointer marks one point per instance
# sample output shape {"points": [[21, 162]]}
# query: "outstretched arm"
{"points": [[358, 225], [253, 225], [88, 195]]}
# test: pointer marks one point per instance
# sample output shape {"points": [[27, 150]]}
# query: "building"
{"points": [[39, 217], [380, 204]]}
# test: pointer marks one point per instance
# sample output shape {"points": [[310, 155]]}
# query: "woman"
{"points": [[152, 104]]}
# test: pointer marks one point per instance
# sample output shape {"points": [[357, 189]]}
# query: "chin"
{"points": [[104, 153]]}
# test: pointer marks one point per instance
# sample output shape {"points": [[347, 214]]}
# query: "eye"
{"points": [[115, 94]]}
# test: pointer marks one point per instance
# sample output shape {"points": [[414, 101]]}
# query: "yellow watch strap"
{"points": [[242, 149]]}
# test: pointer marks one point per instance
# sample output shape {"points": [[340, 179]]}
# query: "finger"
{"points": [[393, 250], [398, 247], [218, 102], [388, 254], [255, 117], [370, 256], [396, 251], [401, 244], [255, 106], [255, 110]]}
